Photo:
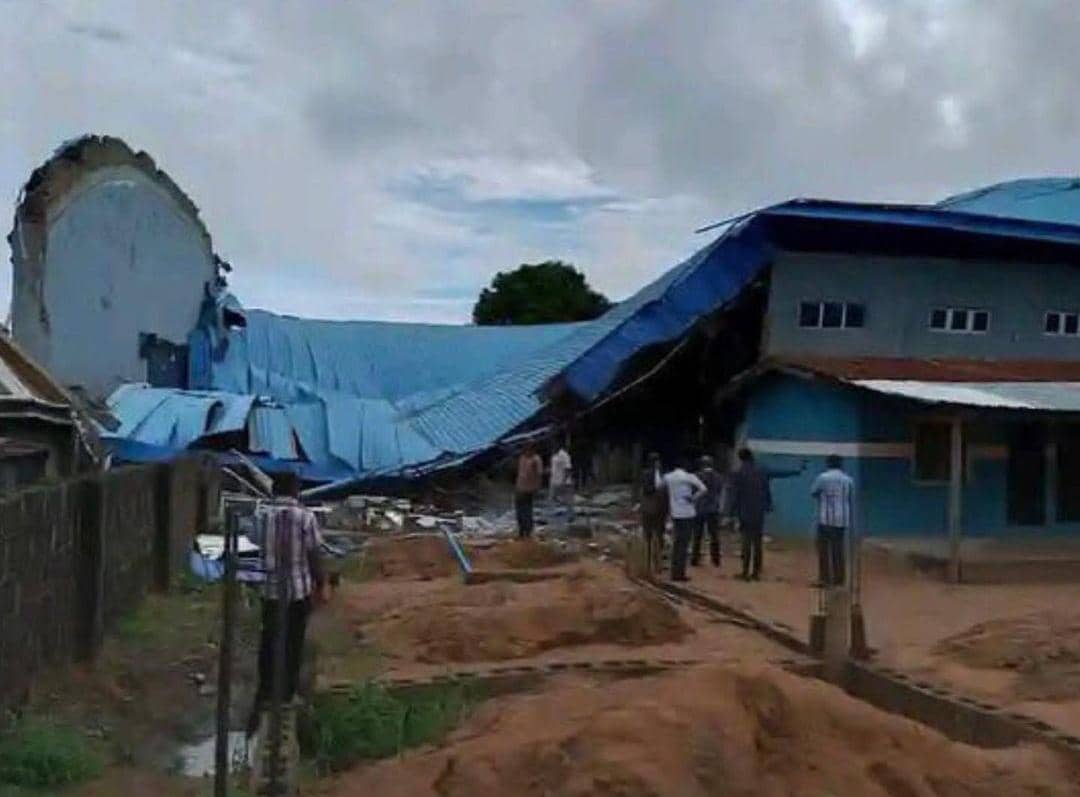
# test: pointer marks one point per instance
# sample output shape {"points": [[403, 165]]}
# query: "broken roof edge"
{"points": [[47, 184]]}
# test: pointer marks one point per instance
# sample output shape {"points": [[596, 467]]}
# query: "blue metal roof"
{"points": [[370, 399], [1055, 199]]}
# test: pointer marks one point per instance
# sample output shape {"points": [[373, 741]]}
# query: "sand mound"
{"points": [[421, 557], [706, 732], [527, 554], [498, 621], [1042, 648]]}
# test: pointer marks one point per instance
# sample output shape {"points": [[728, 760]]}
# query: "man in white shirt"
{"points": [[561, 487], [834, 492], [683, 489]]}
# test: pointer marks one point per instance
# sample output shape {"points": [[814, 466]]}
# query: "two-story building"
{"points": [[935, 348], [943, 364]]}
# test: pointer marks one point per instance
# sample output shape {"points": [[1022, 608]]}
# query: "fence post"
{"points": [[163, 527], [90, 568], [228, 599]]}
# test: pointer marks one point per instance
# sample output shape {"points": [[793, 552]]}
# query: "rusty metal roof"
{"points": [[22, 379], [934, 370]]}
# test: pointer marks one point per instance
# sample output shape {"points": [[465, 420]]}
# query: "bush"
{"points": [[37, 754], [372, 722]]}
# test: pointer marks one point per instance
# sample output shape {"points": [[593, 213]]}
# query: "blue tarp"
{"points": [[371, 399]]}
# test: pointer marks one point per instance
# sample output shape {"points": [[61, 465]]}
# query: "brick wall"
{"points": [[77, 555]]}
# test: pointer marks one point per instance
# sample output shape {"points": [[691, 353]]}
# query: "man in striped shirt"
{"points": [[289, 542], [834, 492]]}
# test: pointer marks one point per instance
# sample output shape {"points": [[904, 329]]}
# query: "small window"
{"points": [[980, 321], [1052, 325], [854, 316], [810, 314], [832, 315], [959, 320], [938, 318], [1071, 323]]}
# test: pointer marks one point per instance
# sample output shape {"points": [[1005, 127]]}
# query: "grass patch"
{"points": [[373, 722], [39, 754]]}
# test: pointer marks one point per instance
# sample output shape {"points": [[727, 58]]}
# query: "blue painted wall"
{"points": [[891, 502], [899, 293]]}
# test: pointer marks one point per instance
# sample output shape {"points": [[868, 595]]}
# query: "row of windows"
{"points": [[959, 320], [1058, 323], [831, 315]]}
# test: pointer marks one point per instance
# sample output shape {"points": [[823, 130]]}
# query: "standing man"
{"points": [[683, 489], [562, 486], [751, 499], [654, 509], [750, 496], [530, 477], [834, 493], [708, 513], [289, 543]]}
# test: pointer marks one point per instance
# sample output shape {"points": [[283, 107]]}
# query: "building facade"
{"points": [[875, 358]]}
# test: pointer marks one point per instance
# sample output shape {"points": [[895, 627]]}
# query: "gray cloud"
{"points": [[391, 152]]}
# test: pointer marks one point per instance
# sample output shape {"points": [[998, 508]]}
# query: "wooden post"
{"points": [[956, 492], [228, 600]]}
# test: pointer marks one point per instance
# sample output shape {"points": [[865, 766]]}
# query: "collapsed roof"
{"points": [[360, 400]]}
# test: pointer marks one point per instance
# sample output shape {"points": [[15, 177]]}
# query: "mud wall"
{"points": [[77, 555]]}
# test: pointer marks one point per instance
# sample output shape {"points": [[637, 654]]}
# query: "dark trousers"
{"points": [[709, 522], [297, 617], [830, 548], [652, 524], [751, 549], [684, 530], [523, 506]]}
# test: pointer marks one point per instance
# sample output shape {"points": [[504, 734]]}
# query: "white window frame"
{"points": [[821, 313], [1061, 314], [969, 329]]}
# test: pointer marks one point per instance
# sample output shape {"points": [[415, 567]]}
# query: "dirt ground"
{"points": [[734, 729], [586, 610], [910, 616]]}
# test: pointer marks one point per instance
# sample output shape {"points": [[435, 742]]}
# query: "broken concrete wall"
{"points": [[105, 248]]}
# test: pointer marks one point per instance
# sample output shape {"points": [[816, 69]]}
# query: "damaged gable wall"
{"points": [[105, 248]]}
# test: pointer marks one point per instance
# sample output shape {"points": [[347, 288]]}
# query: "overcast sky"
{"points": [[383, 160]]}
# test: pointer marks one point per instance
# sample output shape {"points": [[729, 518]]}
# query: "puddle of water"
{"points": [[197, 760]]}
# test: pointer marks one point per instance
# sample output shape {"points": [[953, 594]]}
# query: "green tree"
{"points": [[539, 293]]}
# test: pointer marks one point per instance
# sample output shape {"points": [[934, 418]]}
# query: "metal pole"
{"points": [[277, 785], [956, 486], [228, 601]]}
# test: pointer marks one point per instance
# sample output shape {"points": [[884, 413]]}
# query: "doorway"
{"points": [[1026, 476]]}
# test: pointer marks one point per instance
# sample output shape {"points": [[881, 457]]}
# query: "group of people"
{"points": [[696, 501]]}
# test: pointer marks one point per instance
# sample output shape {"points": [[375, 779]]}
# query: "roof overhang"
{"points": [[1023, 386]]}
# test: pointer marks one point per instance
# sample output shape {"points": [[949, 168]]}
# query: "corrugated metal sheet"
{"points": [[1055, 199], [175, 418], [270, 432], [1032, 396]]}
